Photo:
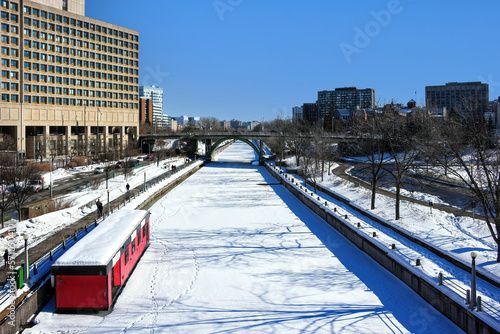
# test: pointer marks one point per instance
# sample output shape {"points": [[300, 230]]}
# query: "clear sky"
{"points": [[254, 59]]}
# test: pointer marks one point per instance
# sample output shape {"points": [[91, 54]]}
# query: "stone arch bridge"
{"points": [[213, 140]]}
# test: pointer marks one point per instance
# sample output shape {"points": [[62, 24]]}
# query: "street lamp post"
{"points": [[26, 265], [51, 184], [109, 207], [473, 303]]}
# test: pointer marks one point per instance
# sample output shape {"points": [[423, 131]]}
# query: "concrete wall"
{"points": [[26, 308], [422, 243], [427, 289]]}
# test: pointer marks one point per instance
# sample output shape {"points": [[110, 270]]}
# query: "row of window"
{"points": [[56, 48], [10, 98], [79, 23], [12, 5], [75, 102], [7, 17], [142, 231], [80, 53], [77, 62], [73, 62], [70, 81], [77, 33], [68, 101], [66, 20], [75, 72], [67, 81], [69, 91], [9, 40]]}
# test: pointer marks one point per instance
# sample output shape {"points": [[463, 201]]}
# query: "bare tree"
{"points": [[476, 163], [19, 187], [373, 148], [402, 148], [129, 153], [297, 142], [210, 124], [278, 144], [6, 167]]}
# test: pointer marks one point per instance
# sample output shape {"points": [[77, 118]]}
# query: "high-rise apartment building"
{"points": [[348, 98], [310, 112], [469, 99], [297, 113], [145, 111], [69, 82], [156, 95]]}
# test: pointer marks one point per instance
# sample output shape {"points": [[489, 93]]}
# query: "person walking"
{"points": [[128, 187], [98, 203]]}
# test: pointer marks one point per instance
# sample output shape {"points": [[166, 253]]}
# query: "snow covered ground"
{"points": [[231, 252], [458, 236], [81, 203]]}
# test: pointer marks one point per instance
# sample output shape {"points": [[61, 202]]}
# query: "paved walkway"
{"points": [[341, 172], [51, 242]]}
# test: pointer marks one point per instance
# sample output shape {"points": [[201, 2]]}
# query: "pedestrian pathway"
{"points": [[341, 172], [48, 244]]}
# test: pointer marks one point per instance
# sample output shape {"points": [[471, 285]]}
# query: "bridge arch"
{"points": [[214, 147]]}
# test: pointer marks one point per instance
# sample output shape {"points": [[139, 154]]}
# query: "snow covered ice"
{"points": [[232, 252]]}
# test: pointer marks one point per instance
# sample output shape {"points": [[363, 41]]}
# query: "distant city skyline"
{"points": [[251, 60]]}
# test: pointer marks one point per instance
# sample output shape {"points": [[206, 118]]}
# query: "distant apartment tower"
{"points": [[156, 95], [236, 124], [165, 122], [310, 112], [469, 99], [250, 125], [226, 125], [182, 120], [348, 98], [145, 111], [69, 82], [297, 113], [195, 120]]}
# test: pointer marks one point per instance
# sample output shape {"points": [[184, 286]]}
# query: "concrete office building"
{"points": [[69, 82], [156, 95], [470, 99], [348, 98]]}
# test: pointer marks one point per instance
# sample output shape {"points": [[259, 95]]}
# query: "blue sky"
{"points": [[254, 59]]}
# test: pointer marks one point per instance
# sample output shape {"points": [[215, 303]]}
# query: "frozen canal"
{"points": [[232, 252]]}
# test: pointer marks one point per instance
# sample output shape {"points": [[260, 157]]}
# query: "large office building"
{"points": [[348, 98], [156, 95], [470, 99], [70, 83]]}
